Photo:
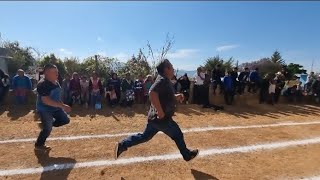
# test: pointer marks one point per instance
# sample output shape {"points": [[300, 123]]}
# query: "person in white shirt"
{"points": [[272, 91], [198, 90], [84, 83]]}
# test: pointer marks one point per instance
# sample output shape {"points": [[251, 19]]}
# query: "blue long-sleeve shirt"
{"points": [[254, 76], [227, 83], [21, 82]]}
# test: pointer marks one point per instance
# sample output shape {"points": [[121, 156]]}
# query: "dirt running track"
{"points": [[286, 147]]}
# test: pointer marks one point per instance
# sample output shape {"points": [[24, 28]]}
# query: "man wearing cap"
{"points": [[21, 85]]}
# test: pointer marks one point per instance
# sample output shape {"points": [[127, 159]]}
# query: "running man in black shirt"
{"points": [[163, 102]]}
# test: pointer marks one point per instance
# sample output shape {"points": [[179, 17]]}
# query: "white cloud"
{"points": [[64, 51], [182, 53], [99, 39], [226, 47]]}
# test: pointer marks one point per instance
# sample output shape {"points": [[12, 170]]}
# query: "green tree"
{"points": [[293, 69], [52, 59], [105, 66], [72, 64], [136, 66], [22, 58], [277, 58], [212, 62]]}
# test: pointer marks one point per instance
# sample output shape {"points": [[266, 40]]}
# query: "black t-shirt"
{"points": [[47, 88], [165, 90]]}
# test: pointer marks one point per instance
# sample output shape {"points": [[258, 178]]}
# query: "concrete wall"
{"points": [[3, 65]]}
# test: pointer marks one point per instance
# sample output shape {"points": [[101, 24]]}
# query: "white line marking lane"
{"points": [[198, 129], [175, 156]]}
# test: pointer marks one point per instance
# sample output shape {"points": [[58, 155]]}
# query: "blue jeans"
{"points": [[95, 99], [49, 119], [20, 100], [167, 126]]}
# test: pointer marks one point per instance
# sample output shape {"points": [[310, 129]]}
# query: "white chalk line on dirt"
{"points": [[203, 153], [198, 129], [310, 178]]}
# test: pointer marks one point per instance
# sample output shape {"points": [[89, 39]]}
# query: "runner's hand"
{"points": [[161, 115], [66, 108]]}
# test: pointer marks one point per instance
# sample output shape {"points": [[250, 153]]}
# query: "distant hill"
{"points": [[189, 73]]}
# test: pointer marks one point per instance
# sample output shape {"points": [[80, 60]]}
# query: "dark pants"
{"points": [[3, 93], [205, 96], [253, 87], [198, 94], [186, 95], [264, 94], [277, 95], [169, 127], [272, 98], [241, 87], [139, 96], [215, 86], [49, 119], [94, 99], [228, 96]]}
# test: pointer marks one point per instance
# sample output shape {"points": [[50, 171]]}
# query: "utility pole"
{"points": [[312, 65], [96, 62]]}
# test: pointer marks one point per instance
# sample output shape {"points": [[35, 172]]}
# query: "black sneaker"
{"points": [[118, 150], [193, 154], [42, 148]]}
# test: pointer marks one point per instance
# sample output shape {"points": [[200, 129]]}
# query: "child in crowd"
{"points": [[113, 99], [84, 84], [75, 88]]}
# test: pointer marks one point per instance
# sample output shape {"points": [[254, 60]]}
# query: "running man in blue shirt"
{"points": [[49, 106]]}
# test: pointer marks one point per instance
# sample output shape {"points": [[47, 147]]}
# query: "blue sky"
{"points": [[246, 31]]}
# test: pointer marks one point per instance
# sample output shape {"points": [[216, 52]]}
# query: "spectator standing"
{"points": [[21, 85], [198, 86], [127, 87], [254, 81], [95, 89], [116, 83], [4, 86], [176, 85], [264, 89], [84, 84], [243, 80], [147, 85], [316, 89], [75, 88], [66, 93], [272, 90], [228, 88], [185, 86], [217, 74], [234, 77], [280, 83], [139, 90]]}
